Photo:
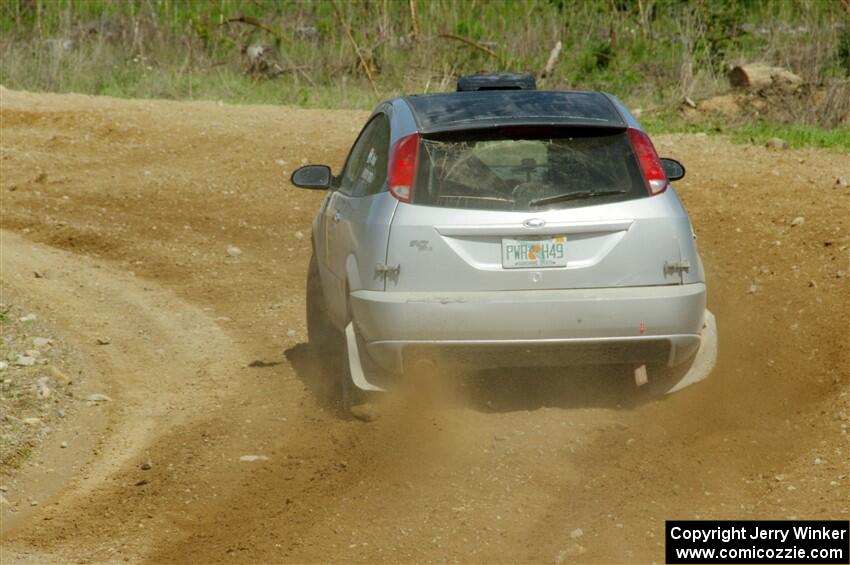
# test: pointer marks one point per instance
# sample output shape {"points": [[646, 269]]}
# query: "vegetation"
{"points": [[654, 54], [759, 132]]}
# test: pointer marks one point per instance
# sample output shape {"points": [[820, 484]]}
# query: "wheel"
{"points": [[697, 368], [663, 379], [329, 346], [322, 337]]}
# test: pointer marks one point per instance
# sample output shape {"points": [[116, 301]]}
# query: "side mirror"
{"points": [[315, 177], [673, 169]]}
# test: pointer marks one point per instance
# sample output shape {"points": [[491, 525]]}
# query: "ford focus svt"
{"points": [[505, 226]]}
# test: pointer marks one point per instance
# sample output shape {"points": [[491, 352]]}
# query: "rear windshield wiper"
{"points": [[574, 196]]}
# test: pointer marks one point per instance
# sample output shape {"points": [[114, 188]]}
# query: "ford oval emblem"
{"points": [[534, 223]]}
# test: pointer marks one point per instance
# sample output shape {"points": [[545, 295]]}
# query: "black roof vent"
{"points": [[496, 81]]}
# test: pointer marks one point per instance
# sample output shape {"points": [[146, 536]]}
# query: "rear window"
{"points": [[527, 169]]}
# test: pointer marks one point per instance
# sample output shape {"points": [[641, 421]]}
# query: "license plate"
{"points": [[537, 252]]}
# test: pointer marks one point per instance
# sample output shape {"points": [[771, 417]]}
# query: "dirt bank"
{"points": [[130, 206]]}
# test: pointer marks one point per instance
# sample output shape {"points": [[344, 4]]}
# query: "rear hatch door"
{"points": [[532, 208]]}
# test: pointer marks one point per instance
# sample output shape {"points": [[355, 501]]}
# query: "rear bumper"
{"points": [[655, 324]]}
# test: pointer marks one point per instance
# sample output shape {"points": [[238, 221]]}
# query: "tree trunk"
{"points": [[758, 76]]}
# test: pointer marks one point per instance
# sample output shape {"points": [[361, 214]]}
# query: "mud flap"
{"points": [[358, 376], [705, 358]]}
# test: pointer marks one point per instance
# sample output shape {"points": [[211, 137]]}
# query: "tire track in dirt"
{"points": [[502, 470], [160, 349]]}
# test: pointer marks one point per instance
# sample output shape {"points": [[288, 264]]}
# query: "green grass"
{"points": [[794, 135], [756, 132], [17, 458]]}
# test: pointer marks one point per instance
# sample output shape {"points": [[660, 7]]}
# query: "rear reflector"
{"points": [[650, 165], [402, 171]]}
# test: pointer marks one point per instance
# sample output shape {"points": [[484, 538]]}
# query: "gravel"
{"points": [[34, 391]]}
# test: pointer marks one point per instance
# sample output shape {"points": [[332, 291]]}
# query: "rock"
{"points": [[35, 353], [61, 413], [299, 235], [42, 390], [3, 501], [366, 412], [291, 333], [233, 251], [103, 341], [24, 361], [28, 318], [64, 445], [98, 398], [38, 274], [57, 374], [577, 533], [776, 143], [4, 365], [42, 342], [146, 466], [31, 421], [33, 503], [4, 488], [798, 221], [572, 551], [818, 461], [250, 458], [842, 181]]}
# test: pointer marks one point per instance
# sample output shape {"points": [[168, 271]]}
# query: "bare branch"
{"points": [[363, 62], [414, 21], [253, 22], [553, 59], [470, 42]]}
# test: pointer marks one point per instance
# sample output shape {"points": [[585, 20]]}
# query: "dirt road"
{"points": [[128, 208]]}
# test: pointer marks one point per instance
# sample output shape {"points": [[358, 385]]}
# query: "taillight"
{"points": [[650, 165], [402, 172]]}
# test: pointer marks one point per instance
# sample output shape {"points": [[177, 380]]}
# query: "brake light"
{"points": [[402, 173], [650, 165]]}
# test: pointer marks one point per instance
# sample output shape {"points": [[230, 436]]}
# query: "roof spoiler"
{"points": [[496, 81]]}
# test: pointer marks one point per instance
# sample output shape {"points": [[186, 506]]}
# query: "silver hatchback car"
{"points": [[504, 226]]}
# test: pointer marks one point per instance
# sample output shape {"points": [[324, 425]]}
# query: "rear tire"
{"points": [[662, 379], [695, 369], [329, 346], [321, 335], [326, 343]]}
